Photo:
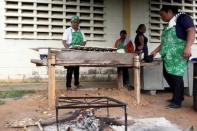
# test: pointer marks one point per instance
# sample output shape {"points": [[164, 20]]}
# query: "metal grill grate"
{"points": [[89, 102]]}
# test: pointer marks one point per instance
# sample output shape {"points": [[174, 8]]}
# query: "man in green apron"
{"points": [[73, 37], [175, 50]]}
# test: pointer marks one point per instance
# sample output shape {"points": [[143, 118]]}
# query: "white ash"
{"points": [[86, 121]]}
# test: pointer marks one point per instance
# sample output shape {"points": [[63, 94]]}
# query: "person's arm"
{"points": [[186, 23], [141, 40], [116, 44], [65, 39], [189, 41], [65, 43], [156, 50]]}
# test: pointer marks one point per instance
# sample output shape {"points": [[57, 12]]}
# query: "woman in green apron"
{"points": [[124, 45], [73, 37], [175, 49]]}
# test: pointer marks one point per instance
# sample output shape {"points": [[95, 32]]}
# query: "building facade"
{"points": [[40, 23]]}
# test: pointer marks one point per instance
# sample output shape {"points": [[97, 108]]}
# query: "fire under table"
{"points": [[88, 102]]}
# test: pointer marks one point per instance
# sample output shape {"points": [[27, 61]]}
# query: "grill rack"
{"points": [[88, 102]]}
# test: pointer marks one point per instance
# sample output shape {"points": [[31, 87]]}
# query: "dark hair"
{"points": [[123, 32], [139, 27], [166, 8]]}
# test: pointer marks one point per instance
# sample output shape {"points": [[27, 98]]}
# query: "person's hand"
{"points": [[140, 47], [153, 53], [187, 52], [66, 46]]}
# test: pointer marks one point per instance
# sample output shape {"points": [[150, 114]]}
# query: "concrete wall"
{"points": [[139, 15], [15, 55]]}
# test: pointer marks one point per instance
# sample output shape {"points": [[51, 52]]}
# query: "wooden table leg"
{"points": [[51, 81]]}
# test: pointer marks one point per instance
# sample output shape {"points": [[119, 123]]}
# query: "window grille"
{"points": [[47, 19], [157, 25]]}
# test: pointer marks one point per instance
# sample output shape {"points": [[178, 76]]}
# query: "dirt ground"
{"points": [[34, 106]]}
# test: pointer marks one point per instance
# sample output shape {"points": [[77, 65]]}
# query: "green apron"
{"points": [[172, 52], [120, 45], [77, 38]]}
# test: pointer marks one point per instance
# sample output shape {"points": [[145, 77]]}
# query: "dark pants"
{"points": [[176, 83], [70, 71], [145, 50]]}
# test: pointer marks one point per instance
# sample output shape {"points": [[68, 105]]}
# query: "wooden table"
{"points": [[70, 57]]}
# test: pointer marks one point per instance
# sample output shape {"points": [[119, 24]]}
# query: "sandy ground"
{"points": [[34, 106]]}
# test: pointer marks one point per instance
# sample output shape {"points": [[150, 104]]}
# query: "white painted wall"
{"points": [[114, 23], [15, 55], [140, 15]]}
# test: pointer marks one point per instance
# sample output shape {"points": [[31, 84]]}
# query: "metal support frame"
{"points": [[88, 102]]}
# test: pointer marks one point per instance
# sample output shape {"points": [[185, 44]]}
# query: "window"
{"points": [[157, 25], [47, 19]]}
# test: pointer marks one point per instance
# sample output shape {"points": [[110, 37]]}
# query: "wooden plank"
{"points": [[38, 48], [80, 63], [91, 64], [92, 57], [51, 80], [156, 62], [105, 64], [137, 78], [39, 62]]}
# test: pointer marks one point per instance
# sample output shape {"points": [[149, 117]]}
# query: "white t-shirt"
{"points": [[67, 36]]}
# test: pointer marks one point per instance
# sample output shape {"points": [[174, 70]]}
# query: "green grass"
{"points": [[14, 93]]}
